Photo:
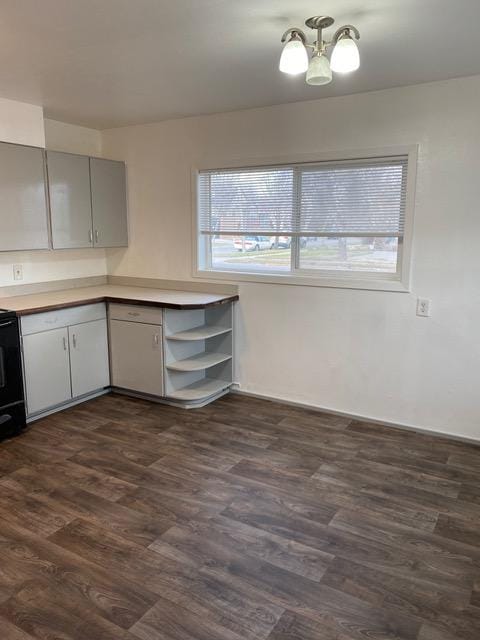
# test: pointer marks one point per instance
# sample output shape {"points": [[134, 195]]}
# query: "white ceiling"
{"points": [[104, 63]]}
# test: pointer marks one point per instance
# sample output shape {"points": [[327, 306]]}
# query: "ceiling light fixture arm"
{"points": [[294, 32], [346, 30]]}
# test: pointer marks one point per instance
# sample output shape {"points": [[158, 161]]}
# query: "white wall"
{"points": [[61, 136], [24, 124], [360, 352], [21, 123]]}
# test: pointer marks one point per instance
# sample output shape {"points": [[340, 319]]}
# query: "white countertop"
{"points": [[34, 303]]}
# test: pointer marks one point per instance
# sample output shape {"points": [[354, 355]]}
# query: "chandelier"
{"points": [[344, 59]]}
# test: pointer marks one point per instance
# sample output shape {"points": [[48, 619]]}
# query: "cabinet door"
{"points": [[23, 206], [70, 202], [47, 369], [136, 356], [109, 203], [89, 357]]}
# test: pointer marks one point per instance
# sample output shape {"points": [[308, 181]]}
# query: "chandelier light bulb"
{"points": [[319, 71], [345, 55], [294, 58]]}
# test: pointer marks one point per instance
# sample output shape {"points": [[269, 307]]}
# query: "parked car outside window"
{"points": [[252, 243]]}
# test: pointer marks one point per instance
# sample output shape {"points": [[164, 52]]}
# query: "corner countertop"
{"points": [[53, 300]]}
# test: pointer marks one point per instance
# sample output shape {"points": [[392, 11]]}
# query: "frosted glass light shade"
{"points": [[319, 71], [345, 55], [294, 58]]}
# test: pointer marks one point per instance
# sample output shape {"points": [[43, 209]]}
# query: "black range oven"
{"points": [[12, 405]]}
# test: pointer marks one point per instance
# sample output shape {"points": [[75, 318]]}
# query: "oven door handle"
{"points": [[6, 324], [5, 418]]}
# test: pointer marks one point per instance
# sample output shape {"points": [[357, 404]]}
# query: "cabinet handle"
{"points": [[156, 340], [96, 236], [64, 343], [90, 236], [74, 341]]}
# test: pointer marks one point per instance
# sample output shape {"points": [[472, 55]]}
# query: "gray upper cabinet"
{"points": [[109, 203], [23, 206], [70, 201]]}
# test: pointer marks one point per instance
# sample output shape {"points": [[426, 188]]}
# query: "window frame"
{"points": [[398, 281]]}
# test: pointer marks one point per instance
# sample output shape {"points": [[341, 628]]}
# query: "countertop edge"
{"points": [[120, 300]]}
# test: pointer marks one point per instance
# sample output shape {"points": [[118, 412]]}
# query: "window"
{"points": [[340, 220]]}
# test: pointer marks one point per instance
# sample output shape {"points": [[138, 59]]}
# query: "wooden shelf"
{"points": [[200, 390], [199, 362], [199, 333]]}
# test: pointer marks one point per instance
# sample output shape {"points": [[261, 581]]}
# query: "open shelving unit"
{"points": [[198, 354], [199, 333]]}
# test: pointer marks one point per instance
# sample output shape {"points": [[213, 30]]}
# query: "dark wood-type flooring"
{"points": [[126, 520]]}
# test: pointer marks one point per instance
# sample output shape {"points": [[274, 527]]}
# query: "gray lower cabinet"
{"points": [[136, 356], [109, 203], [88, 357], [47, 369], [65, 356], [70, 200], [23, 206]]}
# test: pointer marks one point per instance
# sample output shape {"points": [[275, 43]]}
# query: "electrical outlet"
{"points": [[18, 272], [423, 307]]}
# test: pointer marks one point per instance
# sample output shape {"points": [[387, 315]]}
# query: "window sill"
{"points": [[370, 283]]}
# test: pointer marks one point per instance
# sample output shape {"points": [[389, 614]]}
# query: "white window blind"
{"points": [[338, 199]]}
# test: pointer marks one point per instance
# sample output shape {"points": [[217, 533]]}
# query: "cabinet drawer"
{"points": [[62, 318], [135, 313]]}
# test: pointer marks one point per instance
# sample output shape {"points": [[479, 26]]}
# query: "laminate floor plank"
{"points": [[365, 525], [43, 615], [227, 562], [218, 539], [337, 496], [129, 523], [401, 457], [279, 519], [74, 440], [293, 626], [164, 622], [48, 477], [11, 632], [221, 432], [458, 529], [357, 472], [15, 453], [162, 505], [176, 581], [31, 513], [28, 558], [122, 519], [447, 608]]}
